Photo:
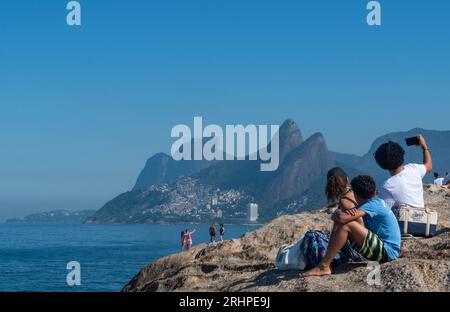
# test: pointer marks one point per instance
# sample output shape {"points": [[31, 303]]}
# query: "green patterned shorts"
{"points": [[372, 249]]}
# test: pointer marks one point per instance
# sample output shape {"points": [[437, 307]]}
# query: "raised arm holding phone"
{"points": [[405, 185]]}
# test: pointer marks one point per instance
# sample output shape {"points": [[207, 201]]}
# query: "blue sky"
{"points": [[82, 108]]}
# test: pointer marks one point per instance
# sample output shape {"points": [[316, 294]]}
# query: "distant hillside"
{"points": [[229, 186], [55, 217], [438, 143], [163, 168]]}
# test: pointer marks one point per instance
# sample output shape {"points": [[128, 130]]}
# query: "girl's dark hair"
{"points": [[337, 183], [436, 175]]}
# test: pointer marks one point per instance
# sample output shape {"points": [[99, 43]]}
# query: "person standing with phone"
{"points": [[405, 185]]}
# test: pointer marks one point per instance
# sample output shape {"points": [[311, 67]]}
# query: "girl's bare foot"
{"points": [[320, 270]]}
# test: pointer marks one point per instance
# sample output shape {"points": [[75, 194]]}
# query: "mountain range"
{"points": [[203, 191], [55, 217], [438, 142]]}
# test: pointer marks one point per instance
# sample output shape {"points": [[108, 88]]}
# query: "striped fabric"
{"points": [[372, 249]]}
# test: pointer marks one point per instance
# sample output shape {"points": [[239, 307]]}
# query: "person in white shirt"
{"points": [[405, 185], [447, 186], [438, 180]]}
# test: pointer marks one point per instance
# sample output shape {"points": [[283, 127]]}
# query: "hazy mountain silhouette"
{"points": [[303, 166], [297, 185], [438, 143], [163, 168], [247, 174]]}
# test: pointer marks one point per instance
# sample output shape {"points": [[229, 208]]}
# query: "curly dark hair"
{"points": [[337, 182], [364, 187], [390, 156]]}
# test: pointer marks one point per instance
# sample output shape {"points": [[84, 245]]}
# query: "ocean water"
{"points": [[34, 257]]}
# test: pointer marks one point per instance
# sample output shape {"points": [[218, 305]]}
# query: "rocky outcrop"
{"points": [[247, 264]]}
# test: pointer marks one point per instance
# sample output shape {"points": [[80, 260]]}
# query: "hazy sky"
{"points": [[82, 108]]}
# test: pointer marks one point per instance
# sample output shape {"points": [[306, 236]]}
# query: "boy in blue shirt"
{"points": [[377, 239]]}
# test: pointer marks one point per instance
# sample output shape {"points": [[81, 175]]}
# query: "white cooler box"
{"points": [[416, 221]]}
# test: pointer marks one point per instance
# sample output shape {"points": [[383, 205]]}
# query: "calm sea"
{"points": [[35, 257]]}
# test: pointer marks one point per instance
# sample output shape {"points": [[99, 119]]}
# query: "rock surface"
{"points": [[247, 264]]}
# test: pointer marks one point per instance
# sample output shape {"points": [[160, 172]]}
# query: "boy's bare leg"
{"points": [[338, 238]]}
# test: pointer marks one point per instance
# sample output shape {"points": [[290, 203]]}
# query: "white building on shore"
{"points": [[252, 212]]}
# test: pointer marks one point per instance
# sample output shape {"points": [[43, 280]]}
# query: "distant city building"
{"points": [[219, 214], [214, 201], [252, 213]]}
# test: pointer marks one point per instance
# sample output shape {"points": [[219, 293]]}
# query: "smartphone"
{"points": [[412, 141]]}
